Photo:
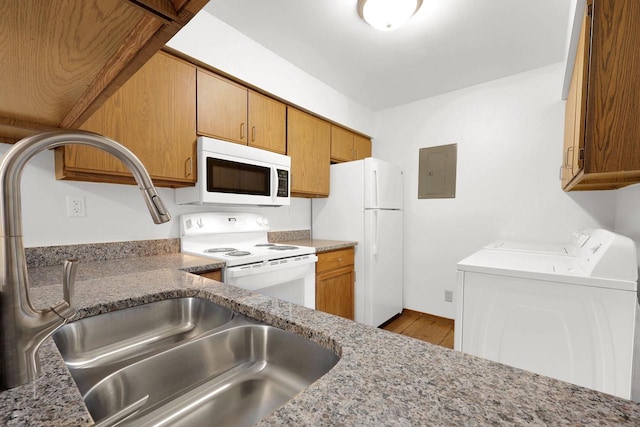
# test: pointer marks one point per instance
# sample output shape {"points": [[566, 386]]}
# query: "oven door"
{"points": [[289, 279]]}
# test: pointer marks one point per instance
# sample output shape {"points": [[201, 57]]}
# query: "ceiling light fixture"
{"points": [[387, 15]]}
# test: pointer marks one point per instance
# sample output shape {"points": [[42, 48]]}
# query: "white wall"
{"points": [[114, 212], [628, 213], [509, 134], [219, 45]]}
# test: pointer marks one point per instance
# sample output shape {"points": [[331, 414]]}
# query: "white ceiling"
{"points": [[447, 45]]}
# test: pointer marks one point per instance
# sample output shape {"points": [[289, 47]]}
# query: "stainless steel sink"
{"points": [[233, 375], [96, 346]]}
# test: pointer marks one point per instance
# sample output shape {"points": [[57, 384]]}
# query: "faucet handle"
{"points": [[65, 309]]}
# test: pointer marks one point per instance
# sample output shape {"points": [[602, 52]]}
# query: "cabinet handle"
{"points": [[241, 130], [253, 133], [570, 150], [339, 259], [189, 166]]}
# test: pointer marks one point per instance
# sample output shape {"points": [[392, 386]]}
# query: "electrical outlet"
{"points": [[75, 207], [448, 296]]}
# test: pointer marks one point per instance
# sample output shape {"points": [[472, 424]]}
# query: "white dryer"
{"points": [[580, 238], [567, 316]]}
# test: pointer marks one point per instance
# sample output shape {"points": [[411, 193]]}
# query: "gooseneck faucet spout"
{"points": [[24, 327]]}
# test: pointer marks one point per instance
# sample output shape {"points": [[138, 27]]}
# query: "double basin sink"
{"points": [[186, 362]]}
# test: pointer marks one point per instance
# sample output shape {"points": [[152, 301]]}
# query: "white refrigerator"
{"points": [[365, 205]]}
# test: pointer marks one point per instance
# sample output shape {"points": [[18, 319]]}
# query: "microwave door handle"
{"points": [[274, 184]]}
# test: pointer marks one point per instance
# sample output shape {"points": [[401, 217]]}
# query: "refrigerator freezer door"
{"points": [[382, 185], [383, 265]]}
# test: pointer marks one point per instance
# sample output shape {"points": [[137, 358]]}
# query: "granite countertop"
{"points": [[381, 379], [323, 245]]}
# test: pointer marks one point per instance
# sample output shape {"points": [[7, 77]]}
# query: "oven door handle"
{"points": [[267, 266]]}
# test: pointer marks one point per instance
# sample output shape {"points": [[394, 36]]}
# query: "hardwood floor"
{"points": [[425, 327]]}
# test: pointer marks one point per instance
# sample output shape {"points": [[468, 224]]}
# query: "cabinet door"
{"points": [[606, 154], [575, 109], [612, 107], [267, 123], [213, 275], [361, 147], [334, 260], [222, 108], [341, 144], [152, 114], [334, 292], [308, 145]]}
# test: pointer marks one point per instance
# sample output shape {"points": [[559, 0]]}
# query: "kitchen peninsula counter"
{"points": [[322, 245], [381, 379]]}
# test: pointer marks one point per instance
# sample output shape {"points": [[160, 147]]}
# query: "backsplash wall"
{"points": [[115, 212]]}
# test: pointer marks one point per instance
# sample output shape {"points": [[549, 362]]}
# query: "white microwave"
{"points": [[235, 174]]}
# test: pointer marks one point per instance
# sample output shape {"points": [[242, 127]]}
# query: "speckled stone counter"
{"points": [[323, 245], [89, 270], [381, 379]]}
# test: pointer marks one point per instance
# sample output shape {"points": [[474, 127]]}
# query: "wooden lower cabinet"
{"points": [[213, 275], [335, 279]]}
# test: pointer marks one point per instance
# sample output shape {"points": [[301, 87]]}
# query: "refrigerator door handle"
{"points": [[376, 188], [376, 234]]}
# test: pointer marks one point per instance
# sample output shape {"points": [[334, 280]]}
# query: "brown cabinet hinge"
{"points": [[581, 154]]}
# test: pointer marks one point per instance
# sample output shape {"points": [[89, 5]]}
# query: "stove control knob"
{"points": [[265, 221], [259, 220]]}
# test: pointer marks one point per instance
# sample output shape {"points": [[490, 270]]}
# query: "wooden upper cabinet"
{"points": [[153, 115], [347, 146], [230, 111], [62, 60], [222, 108], [309, 146], [361, 147], [572, 162], [602, 130], [267, 123], [341, 144]]}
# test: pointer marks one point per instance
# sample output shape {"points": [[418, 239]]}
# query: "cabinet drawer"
{"points": [[334, 259]]}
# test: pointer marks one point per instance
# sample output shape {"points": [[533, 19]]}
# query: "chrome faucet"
{"points": [[24, 327]]}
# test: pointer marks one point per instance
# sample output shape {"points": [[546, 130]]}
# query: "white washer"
{"points": [[568, 317]]}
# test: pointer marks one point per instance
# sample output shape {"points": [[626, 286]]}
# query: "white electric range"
{"points": [[240, 239]]}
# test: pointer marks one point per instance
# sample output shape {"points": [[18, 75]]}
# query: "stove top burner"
{"points": [[283, 248], [215, 250], [238, 253], [260, 245]]}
